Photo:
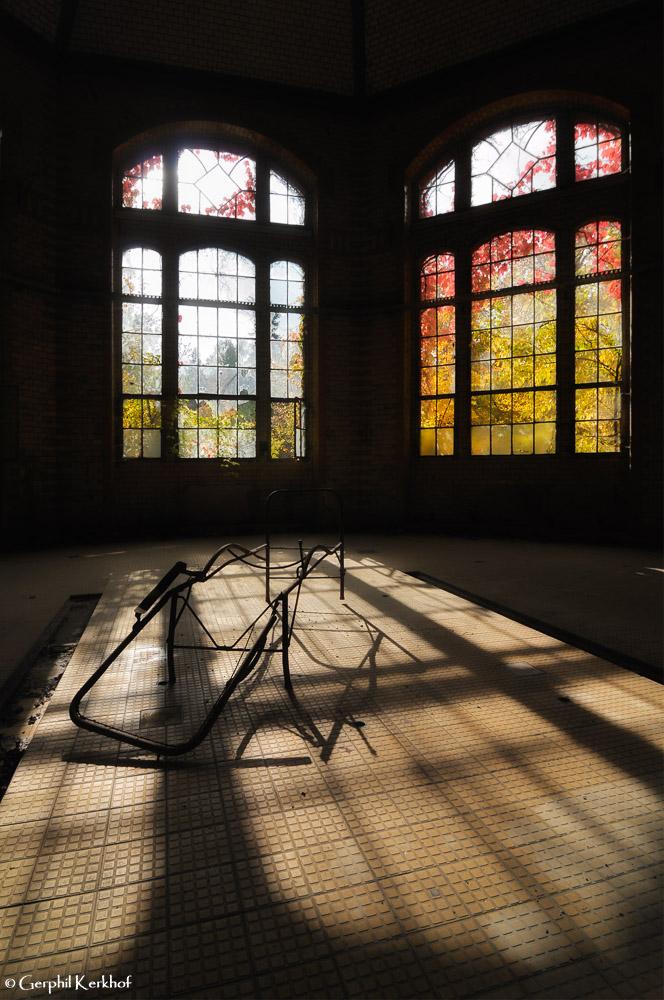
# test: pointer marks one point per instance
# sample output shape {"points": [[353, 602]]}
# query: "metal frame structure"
{"points": [[277, 611]]}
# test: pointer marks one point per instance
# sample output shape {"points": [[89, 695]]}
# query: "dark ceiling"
{"points": [[330, 45]]}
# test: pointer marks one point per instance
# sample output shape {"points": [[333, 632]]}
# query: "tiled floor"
{"points": [[453, 806]]}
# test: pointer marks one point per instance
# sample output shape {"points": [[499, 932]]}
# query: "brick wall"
{"points": [[28, 295]]}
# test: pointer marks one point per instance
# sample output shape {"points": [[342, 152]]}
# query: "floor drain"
{"points": [[152, 717], [37, 678]]}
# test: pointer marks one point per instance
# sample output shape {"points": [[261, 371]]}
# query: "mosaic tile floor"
{"points": [[453, 805]]}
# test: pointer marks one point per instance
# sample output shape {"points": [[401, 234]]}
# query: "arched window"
{"points": [[213, 252], [521, 269]]}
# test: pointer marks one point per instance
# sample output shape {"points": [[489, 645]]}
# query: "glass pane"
{"points": [[286, 283], [142, 184], [217, 183], [480, 441], [141, 326], [218, 352], [217, 275], [598, 248], [437, 193], [211, 428], [514, 161], [151, 444], [131, 444], [141, 422], [522, 439], [598, 420], [287, 435], [500, 440], [523, 257], [597, 150], [427, 441], [545, 439], [141, 272], [287, 203], [445, 441], [437, 277]]}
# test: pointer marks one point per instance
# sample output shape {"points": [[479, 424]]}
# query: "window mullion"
{"points": [[263, 358], [117, 348], [170, 305], [626, 380], [262, 192], [462, 321], [564, 150], [565, 325], [462, 181], [170, 189]]}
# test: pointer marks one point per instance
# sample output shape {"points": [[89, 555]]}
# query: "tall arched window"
{"points": [[214, 248], [521, 268]]}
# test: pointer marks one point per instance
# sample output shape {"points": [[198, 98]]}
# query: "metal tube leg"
{"points": [[342, 575], [267, 569], [170, 640], [284, 643]]}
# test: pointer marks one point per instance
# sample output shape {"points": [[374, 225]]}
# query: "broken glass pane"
{"points": [[437, 192], [287, 430]]}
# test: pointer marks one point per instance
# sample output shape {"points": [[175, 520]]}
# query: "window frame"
{"points": [[561, 210], [172, 233]]}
